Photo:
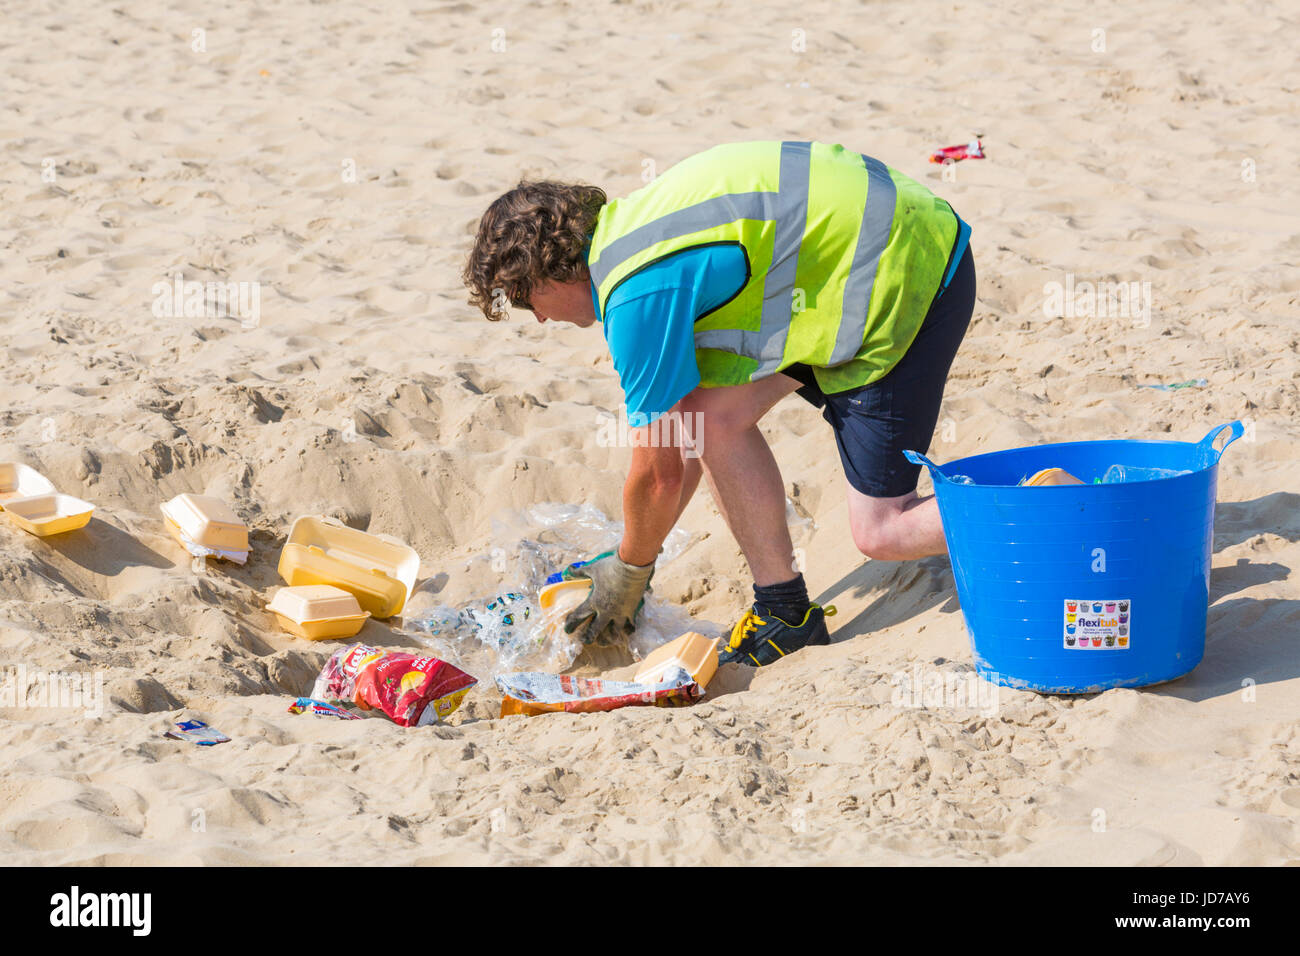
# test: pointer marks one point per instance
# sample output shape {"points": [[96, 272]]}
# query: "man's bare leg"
{"points": [[691, 472], [742, 472], [896, 529]]}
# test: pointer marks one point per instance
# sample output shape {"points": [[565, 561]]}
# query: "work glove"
{"points": [[617, 589]]}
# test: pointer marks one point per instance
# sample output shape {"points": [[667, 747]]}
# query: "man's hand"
{"points": [[616, 592]]}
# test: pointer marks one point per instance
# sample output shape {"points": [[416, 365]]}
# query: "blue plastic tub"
{"points": [[1072, 589]]}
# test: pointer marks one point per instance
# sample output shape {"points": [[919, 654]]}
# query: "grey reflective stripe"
{"points": [[873, 236], [778, 288], [709, 214], [767, 345]]}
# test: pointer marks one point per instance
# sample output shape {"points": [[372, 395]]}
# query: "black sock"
{"points": [[788, 601]]}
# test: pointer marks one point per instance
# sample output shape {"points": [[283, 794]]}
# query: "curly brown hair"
{"points": [[535, 232]]}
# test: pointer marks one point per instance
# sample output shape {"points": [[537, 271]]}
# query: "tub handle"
{"points": [[916, 458], [1209, 455]]}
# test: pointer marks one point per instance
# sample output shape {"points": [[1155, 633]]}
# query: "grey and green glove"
{"points": [[617, 589]]}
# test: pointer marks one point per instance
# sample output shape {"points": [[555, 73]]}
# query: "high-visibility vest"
{"points": [[844, 256]]}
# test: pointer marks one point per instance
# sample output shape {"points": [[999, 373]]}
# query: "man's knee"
{"points": [[713, 430], [726, 413], [873, 541], [874, 526]]}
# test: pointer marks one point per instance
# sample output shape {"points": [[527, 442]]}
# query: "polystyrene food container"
{"points": [[318, 612], [378, 569], [44, 515], [694, 653], [21, 481], [558, 599], [208, 522], [563, 595]]}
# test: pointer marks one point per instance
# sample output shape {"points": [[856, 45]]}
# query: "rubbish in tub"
{"points": [[1124, 474], [318, 612], [44, 515], [962, 480], [1190, 383], [540, 693], [206, 527], [692, 652], [413, 691], [319, 708], [22, 481], [955, 154], [197, 732], [1050, 476]]}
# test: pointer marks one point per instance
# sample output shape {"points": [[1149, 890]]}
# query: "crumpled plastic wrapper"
{"points": [[541, 693]]}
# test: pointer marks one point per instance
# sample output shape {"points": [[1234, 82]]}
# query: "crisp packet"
{"points": [[413, 691], [305, 705], [197, 732], [541, 693]]}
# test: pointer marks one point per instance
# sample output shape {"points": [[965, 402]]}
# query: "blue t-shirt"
{"points": [[650, 321], [650, 324]]}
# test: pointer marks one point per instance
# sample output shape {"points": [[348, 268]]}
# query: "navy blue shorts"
{"points": [[874, 423]]}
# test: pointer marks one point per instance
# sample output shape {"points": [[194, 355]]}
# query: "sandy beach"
{"points": [[336, 157]]}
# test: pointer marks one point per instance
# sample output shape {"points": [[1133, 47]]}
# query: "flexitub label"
{"points": [[1098, 625]]}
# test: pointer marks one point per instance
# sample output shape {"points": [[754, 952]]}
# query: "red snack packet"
{"points": [[411, 690], [951, 154]]}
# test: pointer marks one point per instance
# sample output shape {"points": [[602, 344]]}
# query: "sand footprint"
{"points": [[1290, 799]]}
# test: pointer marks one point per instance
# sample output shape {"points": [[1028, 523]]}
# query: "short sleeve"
{"points": [[650, 324], [652, 341]]}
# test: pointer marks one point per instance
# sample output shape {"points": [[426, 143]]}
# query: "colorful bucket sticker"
{"points": [[1098, 625]]}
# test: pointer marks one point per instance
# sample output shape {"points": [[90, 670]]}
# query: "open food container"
{"points": [[378, 569], [556, 601], [22, 481], [563, 596], [318, 612], [44, 515]]}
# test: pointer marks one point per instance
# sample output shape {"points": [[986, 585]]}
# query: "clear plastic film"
{"points": [[507, 631]]}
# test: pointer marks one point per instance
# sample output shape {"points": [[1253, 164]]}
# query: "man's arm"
{"points": [[652, 493]]}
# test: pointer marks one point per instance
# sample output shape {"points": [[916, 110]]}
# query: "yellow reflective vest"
{"points": [[844, 256]]}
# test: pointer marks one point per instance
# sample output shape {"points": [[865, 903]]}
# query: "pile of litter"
{"points": [[514, 629], [338, 578], [955, 154]]}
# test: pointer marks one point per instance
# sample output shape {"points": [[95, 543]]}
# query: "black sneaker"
{"points": [[761, 638]]}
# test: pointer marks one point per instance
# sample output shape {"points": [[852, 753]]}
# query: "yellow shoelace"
{"points": [[744, 627], [751, 622]]}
